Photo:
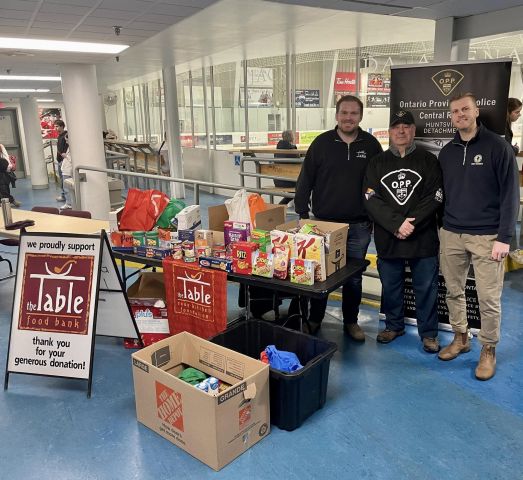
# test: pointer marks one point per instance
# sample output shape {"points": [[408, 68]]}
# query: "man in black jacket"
{"points": [[403, 193], [480, 180], [61, 150], [333, 172]]}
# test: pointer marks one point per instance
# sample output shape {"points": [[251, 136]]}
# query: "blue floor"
{"points": [[392, 411]]}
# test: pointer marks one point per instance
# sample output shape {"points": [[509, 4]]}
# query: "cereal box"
{"points": [[281, 254], [302, 271], [279, 236], [311, 247], [236, 232], [263, 238], [262, 264]]}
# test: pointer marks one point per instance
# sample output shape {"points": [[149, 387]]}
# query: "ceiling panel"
{"points": [[126, 5]]}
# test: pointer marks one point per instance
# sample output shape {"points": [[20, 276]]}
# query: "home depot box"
{"points": [[147, 300], [214, 429], [266, 220], [335, 244]]}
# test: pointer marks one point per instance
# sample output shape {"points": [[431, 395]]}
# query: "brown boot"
{"points": [[460, 344], [486, 368]]}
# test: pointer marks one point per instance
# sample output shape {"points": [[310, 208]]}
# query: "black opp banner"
{"points": [[471, 297], [426, 90]]}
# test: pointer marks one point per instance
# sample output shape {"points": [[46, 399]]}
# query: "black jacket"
{"points": [[480, 180], [61, 146], [284, 145], [333, 171], [398, 188]]}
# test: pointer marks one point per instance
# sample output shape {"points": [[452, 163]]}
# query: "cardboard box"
{"points": [[189, 218], [335, 256], [266, 220], [147, 299], [214, 429]]}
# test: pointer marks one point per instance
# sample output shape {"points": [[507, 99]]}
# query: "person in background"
{"points": [[480, 181], [403, 191], [286, 143], [67, 173], [513, 113], [332, 178], [6, 177], [61, 150]]}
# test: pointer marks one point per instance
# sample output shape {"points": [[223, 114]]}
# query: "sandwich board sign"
{"points": [[67, 290]]}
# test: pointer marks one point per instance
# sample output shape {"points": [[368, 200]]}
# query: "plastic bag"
{"points": [[142, 208], [167, 218], [282, 360], [238, 207], [256, 204], [243, 207]]}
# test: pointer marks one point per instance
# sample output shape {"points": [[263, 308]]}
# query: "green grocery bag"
{"points": [[167, 218]]}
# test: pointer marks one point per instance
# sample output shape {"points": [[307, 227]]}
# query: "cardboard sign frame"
{"points": [[40, 309]]}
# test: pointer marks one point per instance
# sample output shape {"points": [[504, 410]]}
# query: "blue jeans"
{"points": [[61, 177], [358, 241], [425, 286]]}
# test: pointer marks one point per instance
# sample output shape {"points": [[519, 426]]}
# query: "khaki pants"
{"points": [[457, 251]]}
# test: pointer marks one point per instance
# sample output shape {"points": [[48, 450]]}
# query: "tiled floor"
{"points": [[392, 412]]}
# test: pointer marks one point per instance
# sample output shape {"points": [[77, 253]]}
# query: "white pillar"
{"points": [[34, 144], [173, 130], [84, 124], [443, 37]]}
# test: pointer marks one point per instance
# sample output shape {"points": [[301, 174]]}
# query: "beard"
{"points": [[348, 129]]}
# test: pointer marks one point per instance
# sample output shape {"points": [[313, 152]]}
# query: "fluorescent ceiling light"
{"points": [[24, 90], [59, 46], [30, 77], [45, 100]]}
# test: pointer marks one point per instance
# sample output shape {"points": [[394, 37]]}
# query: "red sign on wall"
{"points": [[56, 293], [345, 82]]}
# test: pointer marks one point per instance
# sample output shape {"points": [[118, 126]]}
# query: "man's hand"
{"points": [[499, 251], [397, 234], [406, 228]]}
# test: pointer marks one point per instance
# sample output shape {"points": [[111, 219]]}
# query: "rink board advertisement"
{"points": [[54, 307], [426, 91]]}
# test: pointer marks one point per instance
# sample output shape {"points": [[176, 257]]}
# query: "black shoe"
{"points": [[311, 328], [387, 336]]}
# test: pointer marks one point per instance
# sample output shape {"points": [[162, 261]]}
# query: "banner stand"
{"points": [[67, 290]]}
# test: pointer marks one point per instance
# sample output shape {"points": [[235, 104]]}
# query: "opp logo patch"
{"points": [[169, 406]]}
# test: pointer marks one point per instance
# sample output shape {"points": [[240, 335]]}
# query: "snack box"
{"points": [[217, 263], [242, 257]]}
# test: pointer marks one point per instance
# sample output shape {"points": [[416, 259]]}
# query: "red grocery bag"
{"points": [[196, 298], [142, 208]]}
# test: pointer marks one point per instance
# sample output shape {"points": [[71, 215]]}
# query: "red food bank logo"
{"points": [[56, 293], [195, 295]]}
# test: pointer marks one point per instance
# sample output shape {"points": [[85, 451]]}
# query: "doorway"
{"points": [[10, 138]]}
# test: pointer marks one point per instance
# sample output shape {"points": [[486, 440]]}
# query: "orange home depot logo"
{"points": [[169, 406], [244, 416]]}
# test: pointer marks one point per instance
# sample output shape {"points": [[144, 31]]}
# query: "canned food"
{"points": [[188, 248], [189, 259], [138, 239], [151, 239]]}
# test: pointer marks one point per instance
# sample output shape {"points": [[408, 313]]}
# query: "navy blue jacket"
{"points": [[480, 181]]}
